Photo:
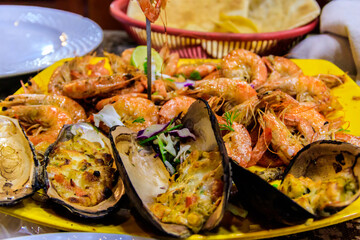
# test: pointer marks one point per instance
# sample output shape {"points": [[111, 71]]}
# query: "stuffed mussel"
{"points": [[322, 179], [18, 163], [80, 173], [186, 194]]}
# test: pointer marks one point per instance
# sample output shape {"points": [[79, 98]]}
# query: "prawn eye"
{"points": [[4, 108], [128, 76]]}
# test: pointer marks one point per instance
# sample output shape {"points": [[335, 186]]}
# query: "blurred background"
{"points": [[97, 10]]}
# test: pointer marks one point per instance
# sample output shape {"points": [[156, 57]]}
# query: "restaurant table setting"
{"points": [[338, 42]]}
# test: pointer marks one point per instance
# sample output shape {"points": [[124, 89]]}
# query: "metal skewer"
{"points": [[148, 63]]}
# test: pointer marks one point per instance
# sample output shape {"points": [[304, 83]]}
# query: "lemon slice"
{"points": [[139, 58], [235, 24]]}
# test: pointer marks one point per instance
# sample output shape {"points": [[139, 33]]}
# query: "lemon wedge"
{"points": [[139, 58]]}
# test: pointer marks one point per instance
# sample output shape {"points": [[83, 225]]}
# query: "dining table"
{"points": [[116, 41]]}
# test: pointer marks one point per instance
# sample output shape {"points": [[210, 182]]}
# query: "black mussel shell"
{"points": [[260, 197], [145, 176], [322, 160], [19, 167], [263, 199], [110, 204]]}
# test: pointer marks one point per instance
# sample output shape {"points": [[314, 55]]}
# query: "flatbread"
{"points": [[198, 15], [204, 15], [277, 15]]}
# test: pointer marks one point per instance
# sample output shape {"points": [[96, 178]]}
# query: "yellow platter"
{"points": [[32, 210]]}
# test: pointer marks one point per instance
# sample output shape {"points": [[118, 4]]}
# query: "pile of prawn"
{"points": [[266, 107]]}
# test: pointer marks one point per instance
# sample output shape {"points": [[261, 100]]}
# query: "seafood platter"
{"points": [[240, 147]]}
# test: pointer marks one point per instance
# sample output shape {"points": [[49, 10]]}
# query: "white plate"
{"points": [[79, 236], [33, 38]]}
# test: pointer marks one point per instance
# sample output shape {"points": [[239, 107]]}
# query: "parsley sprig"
{"points": [[229, 118], [195, 75], [139, 120]]}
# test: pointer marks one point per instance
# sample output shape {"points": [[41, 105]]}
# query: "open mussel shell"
{"points": [[145, 175], [18, 163], [323, 161], [264, 200], [84, 156], [320, 160]]}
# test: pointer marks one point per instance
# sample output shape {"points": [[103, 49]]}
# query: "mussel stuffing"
{"points": [[182, 199], [322, 179], [80, 173]]}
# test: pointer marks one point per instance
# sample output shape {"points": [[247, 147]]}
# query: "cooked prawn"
{"points": [[90, 87], [171, 60], [292, 81], [151, 9], [136, 86], [282, 66], [261, 147], [31, 87], [237, 142], [245, 112], [269, 160], [197, 71], [235, 91], [103, 102], [60, 76], [159, 88], [239, 145], [309, 122], [98, 69], [283, 142], [41, 122], [136, 112], [170, 64], [75, 110], [331, 80], [244, 65], [78, 67], [174, 107], [126, 55], [315, 90], [213, 75], [117, 63], [344, 137]]}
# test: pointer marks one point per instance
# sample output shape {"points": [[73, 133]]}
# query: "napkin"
{"points": [[339, 38]]}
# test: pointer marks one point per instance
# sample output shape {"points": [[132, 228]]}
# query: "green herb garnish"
{"points": [[229, 118], [139, 120], [195, 75], [161, 147]]}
